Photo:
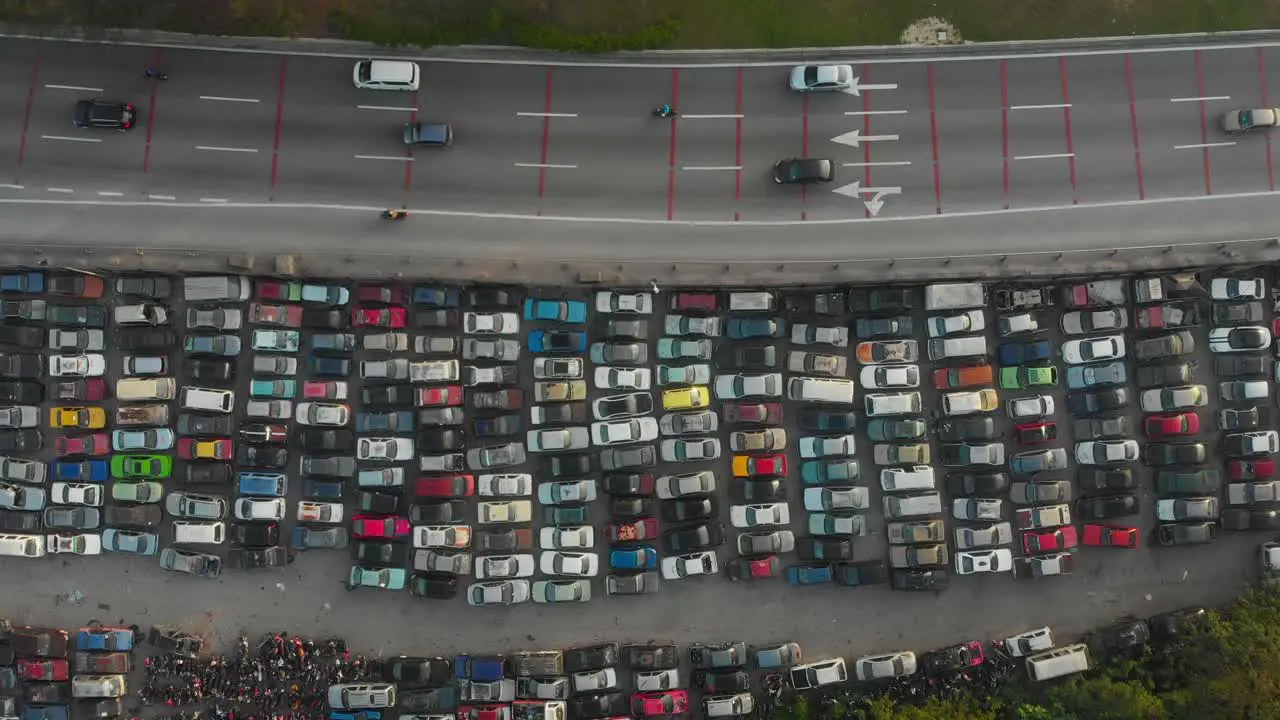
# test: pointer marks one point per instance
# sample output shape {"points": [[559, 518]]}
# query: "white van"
{"points": [[386, 75], [882, 404], [98, 686], [216, 288], [144, 389], [427, 371], [905, 506], [822, 390], [1057, 663], [207, 399], [22, 545], [190, 532], [960, 347], [752, 302], [917, 477]]}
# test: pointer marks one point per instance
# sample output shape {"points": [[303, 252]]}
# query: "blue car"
{"points": [[330, 366], [321, 489], [565, 311], [1020, 353], [358, 715], [105, 639], [263, 484], [478, 668], [31, 283], [86, 471], [558, 341], [402, 421], [436, 296], [809, 574], [635, 558], [744, 328], [45, 712]]}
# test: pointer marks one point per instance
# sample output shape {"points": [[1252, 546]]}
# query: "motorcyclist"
{"points": [[394, 214], [665, 110], [154, 74]]}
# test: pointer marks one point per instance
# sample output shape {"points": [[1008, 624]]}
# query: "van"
{"points": [[142, 314], [968, 346], [191, 532], [22, 546], [142, 415], [752, 302], [207, 399], [916, 477], [954, 296], [216, 288], [820, 390], [428, 371], [140, 389], [1059, 662], [881, 404], [386, 75], [98, 686], [905, 506]]}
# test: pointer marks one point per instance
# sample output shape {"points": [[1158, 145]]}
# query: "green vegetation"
{"points": [[590, 26], [1225, 668]]}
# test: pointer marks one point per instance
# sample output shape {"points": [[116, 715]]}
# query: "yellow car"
{"points": [[686, 398], [94, 418]]}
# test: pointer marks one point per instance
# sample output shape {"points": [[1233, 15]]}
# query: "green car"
{"points": [[124, 467], [1025, 376], [137, 492], [379, 578], [819, 472], [284, 389]]}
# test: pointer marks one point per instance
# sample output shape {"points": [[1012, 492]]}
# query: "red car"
{"points": [[385, 294], [1110, 536], [46, 669], [324, 390], [639, 529], [281, 315], [388, 317], [1055, 540], [205, 449], [86, 390], [759, 413], [1036, 433], [759, 465], [379, 526], [95, 444], [484, 712], [440, 396], [1250, 469], [273, 290], [662, 702], [447, 486], [695, 302], [752, 568], [265, 433], [1164, 426]]}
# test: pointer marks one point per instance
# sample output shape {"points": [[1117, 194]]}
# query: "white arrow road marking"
{"points": [[855, 190], [854, 137], [856, 88]]}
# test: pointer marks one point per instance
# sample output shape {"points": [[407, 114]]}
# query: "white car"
{"points": [[74, 544], [1031, 407], [327, 513], [657, 680], [441, 536], [569, 564], [505, 485], [1106, 452], [32, 472], [996, 560], [1237, 289], [878, 667], [820, 447], [803, 334], [752, 516], [689, 325], [1091, 350], [612, 301], [595, 681], [676, 486], [822, 499], [501, 323], [498, 592], [620, 378], [689, 449], [1249, 338], [494, 567], [555, 368], [1029, 642], [622, 432], [567, 538], [397, 369], [76, 494], [504, 511], [384, 449], [683, 566], [1167, 399], [322, 414], [1081, 322], [821, 78], [92, 365], [733, 387], [558, 439], [249, 508], [974, 321], [20, 416], [881, 377], [977, 508]]}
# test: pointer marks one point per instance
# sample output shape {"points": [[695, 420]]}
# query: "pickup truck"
{"points": [[479, 668], [142, 415], [337, 342], [536, 664], [1099, 292], [1011, 299], [1029, 323], [1045, 516], [105, 638], [433, 371]]}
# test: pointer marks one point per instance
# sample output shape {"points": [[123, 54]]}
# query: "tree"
{"points": [[1101, 698]]}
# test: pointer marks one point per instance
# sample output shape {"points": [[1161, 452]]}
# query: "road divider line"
{"points": [[1051, 156], [711, 167], [547, 166], [161, 197], [729, 116], [215, 148], [66, 191], [386, 107], [8, 186], [220, 98], [1198, 146], [546, 114], [882, 163], [875, 112], [213, 200], [1052, 106], [73, 87], [109, 193], [70, 139], [384, 157], [1201, 99]]}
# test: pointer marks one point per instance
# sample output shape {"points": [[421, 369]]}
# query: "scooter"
{"points": [[665, 111], [153, 74]]}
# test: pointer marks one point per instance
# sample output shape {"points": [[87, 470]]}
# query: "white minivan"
{"points": [[386, 75]]}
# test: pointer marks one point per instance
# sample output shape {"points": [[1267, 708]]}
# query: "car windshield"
{"points": [[1246, 118]]}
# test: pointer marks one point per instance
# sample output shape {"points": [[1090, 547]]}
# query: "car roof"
{"points": [[392, 71]]}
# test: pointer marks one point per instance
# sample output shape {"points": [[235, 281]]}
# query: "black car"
{"points": [[15, 521], [47, 693], [828, 421], [105, 114], [1245, 519], [651, 657], [1097, 402], [639, 483], [804, 171], [754, 491], [1189, 533], [867, 572], [1237, 313], [1241, 419], [824, 549], [261, 456], [599, 706], [920, 580], [493, 298], [1163, 375], [21, 366], [380, 553], [317, 489], [1241, 365], [209, 425], [418, 670], [628, 404], [388, 395], [870, 328], [208, 370], [439, 441], [318, 440], [146, 339], [694, 538], [878, 300], [138, 516], [253, 558], [113, 707], [748, 357], [1106, 507], [93, 316], [1105, 481], [623, 507], [963, 429], [207, 473], [950, 659], [977, 484], [689, 508], [590, 657], [497, 426], [440, 416], [436, 586], [21, 440], [438, 513], [145, 286], [319, 319], [27, 393], [25, 310], [723, 681], [435, 319], [255, 534], [1175, 453], [823, 304], [493, 541], [569, 465], [1102, 427], [627, 329], [1167, 627], [378, 503], [22, 336], [717, 657]]}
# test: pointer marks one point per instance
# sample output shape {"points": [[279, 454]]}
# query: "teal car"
{"points": [[378, 578], [283, 389], [124, 467], [565, 515], [809, 574], [821, 472], [276, 340]]}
